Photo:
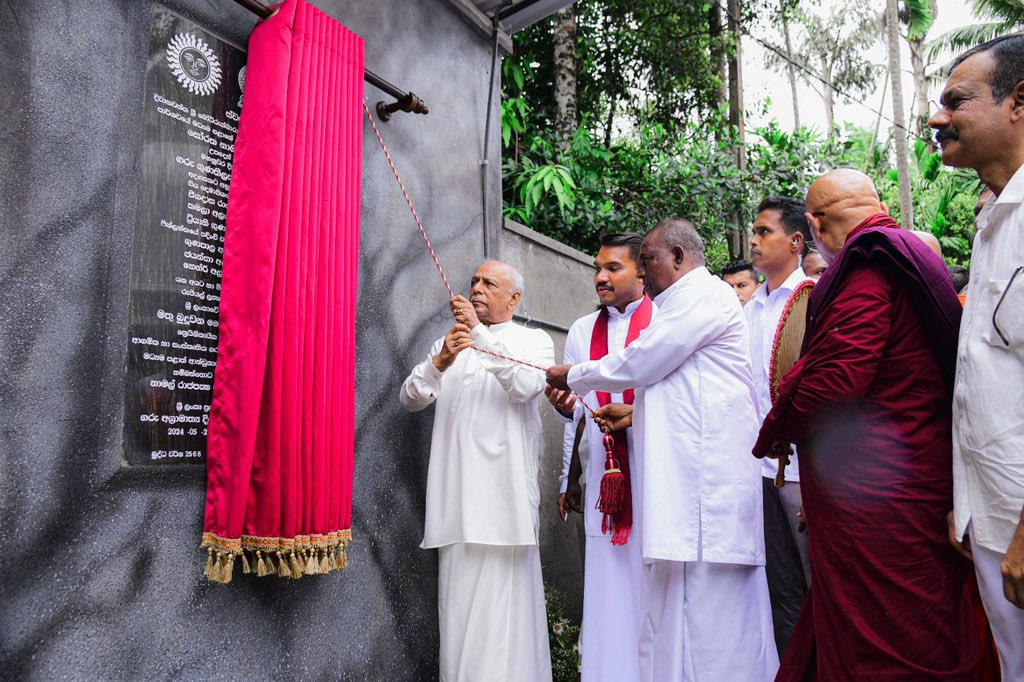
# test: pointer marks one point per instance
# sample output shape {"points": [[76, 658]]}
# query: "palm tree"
{"points": [[918, 16], [899, 131], [996, 18]]}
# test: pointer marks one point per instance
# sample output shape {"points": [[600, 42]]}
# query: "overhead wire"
{"points": [[784, 56]]}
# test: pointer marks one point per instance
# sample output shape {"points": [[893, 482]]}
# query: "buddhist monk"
{"points": [[869, 407]]}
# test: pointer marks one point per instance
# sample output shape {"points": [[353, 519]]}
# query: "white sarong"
{"points": [[612, 611], [490, 602], [707, 622]]}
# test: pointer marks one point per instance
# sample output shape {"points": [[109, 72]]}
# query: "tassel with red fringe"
{"points": [[621, 535], [612, 483]]}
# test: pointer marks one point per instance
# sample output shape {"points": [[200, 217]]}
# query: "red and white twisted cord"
{"points": [[437, 262]]}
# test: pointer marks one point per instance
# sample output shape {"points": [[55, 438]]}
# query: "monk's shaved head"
{"points": [[836, 203], [930, 240], [842, 190]]}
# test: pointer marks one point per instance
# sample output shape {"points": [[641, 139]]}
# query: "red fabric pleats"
{"points": [[282, 423]]}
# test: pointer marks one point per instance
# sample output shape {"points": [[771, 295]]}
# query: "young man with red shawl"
{"points": [[869, 407], [613, 567]]}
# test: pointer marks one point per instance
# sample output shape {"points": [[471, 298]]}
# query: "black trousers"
{"points": [[787, 585]]}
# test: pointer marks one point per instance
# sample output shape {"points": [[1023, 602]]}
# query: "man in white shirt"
{"points": [[779, 239], [981, 126], [482, 484], [613, 570], [708, 615]]}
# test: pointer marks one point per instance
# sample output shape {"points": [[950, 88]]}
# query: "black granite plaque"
{"points": [[194, 83]]}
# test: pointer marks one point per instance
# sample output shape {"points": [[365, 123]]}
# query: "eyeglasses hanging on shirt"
{"points": [[995, 313]]}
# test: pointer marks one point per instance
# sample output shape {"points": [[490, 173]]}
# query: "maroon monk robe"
{"points": [[870, 413]]}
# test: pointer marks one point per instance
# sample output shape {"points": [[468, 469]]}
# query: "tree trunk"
{"points": [[790, 67], [609, 122], [739, 244], [878, 119], [921, 107], [565, 73], [828, 96], [899, 129], [718, 51]]}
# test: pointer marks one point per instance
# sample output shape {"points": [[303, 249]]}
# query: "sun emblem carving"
{"points": [[194, 64]]}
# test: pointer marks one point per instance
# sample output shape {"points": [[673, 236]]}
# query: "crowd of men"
{"points": [[854, 513]]}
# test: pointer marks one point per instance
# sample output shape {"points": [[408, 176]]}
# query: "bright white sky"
{"points": [[761, 83]]}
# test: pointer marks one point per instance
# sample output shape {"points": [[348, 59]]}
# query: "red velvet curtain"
{"points": [[281, 431]]}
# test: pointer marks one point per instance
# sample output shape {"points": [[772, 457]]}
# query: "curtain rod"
{"points": [[406, 101]]}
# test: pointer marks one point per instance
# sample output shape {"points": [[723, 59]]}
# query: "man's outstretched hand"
{"points": [[456, 341], [557, 375], [614, 417], [563, 401]]}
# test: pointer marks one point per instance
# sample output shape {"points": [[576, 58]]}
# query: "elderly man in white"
{"points": [[708, 615], [482, 484]]}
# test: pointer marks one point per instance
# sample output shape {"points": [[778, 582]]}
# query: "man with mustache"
{"points": [[482, 483], [707, 613], [981, 126], [613, 570], [779, 239], [868, 407]]}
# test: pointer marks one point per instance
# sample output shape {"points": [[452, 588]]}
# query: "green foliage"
{"points": [[646, 66], [563, 639], [996, 18], [578, 192], [918, 16], [641, 59]]}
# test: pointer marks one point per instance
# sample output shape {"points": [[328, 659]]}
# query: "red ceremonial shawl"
{"points": [[617, 519], [281, 432]]}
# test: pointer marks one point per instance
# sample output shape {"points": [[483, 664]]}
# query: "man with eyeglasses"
{"points": [[980, 125], [868, 406]]}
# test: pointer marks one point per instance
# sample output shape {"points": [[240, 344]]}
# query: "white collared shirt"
{"points": [[482, 479], [577, 349], [988, 401], [699, 488], [763, 311]]}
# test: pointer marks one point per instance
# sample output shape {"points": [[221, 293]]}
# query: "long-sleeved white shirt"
{"points": [[577, 349], [699, 488], [482, 479], [988, 401], [763, 311]]}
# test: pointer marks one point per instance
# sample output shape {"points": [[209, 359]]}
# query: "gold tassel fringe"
{"points": [[295, 558], [282, 566], [312, 564], [228, 568], [217, 566]]}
